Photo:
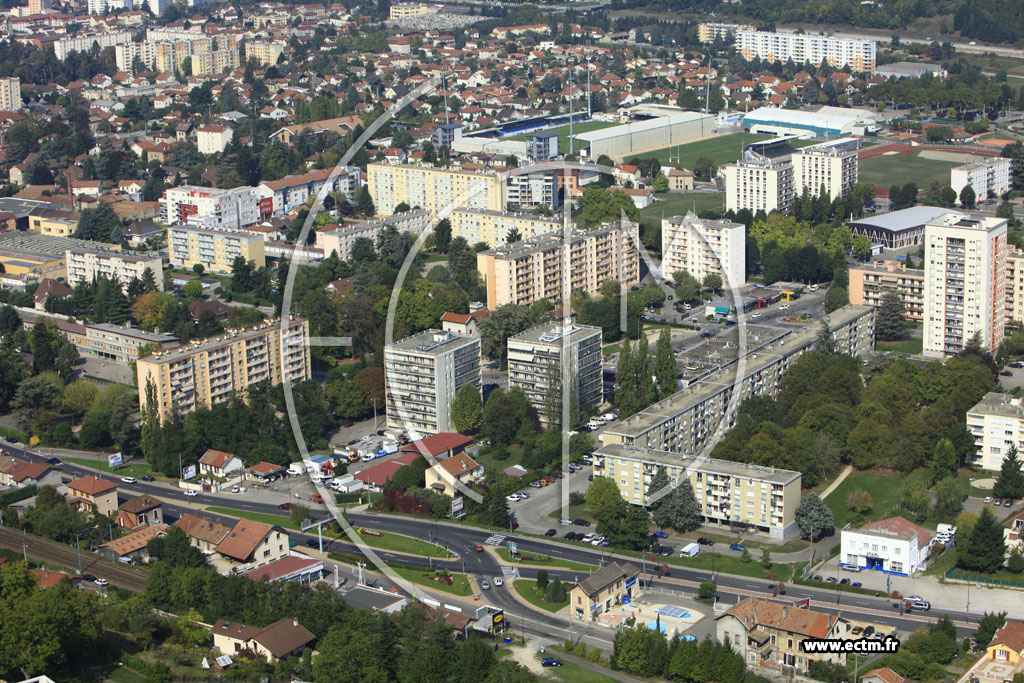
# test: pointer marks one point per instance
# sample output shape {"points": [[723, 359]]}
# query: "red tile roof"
{"points": [[378, 475], [1011, 635], [459, 464], [215, 458], [901, 526], [284, 567], [203, 529], [92, 485], [47, 578], [137, 540], [438, 443], [886, 674], [754, 613], [243, 539], [265, 468]]}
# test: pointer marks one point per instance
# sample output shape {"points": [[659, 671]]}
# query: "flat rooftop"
{"points": [[229, 336], [554, 332], [633, 127], [431, 342], [774, 475], [134, 333], [130, 256], [904, 219], [18, 241], [549, 240], [554, 220], [993, 403]]}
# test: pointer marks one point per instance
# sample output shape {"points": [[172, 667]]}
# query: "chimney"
{"points": [[785, 611], [295, 623]]}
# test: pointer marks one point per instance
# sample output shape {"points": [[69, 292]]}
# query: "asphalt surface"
{"points": [[463, 539]]}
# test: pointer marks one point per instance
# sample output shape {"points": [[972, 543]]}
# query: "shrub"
{"points": [[707, 590]]}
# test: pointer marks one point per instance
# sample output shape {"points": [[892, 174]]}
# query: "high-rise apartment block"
{"points": [[10, 93], [266, 52], [533, 269], [704, 247], [215, 250], [758, 183], [997, 423], [1015, 286], [527, 191], [433, 189], [340, 241], [832, 165], [709, 32], [988, 177], [422, 374], [965, 283], [210, 207], [84, 265], [554, 363], [204, 373], [494, 227], [806, 48]]}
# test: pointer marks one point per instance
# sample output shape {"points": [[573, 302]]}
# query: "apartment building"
{"points": [[527, 191], [1015, 286], [118, 343], [997, 422], [422, 374], [709, 32], [215, 62], [965, 283], [990, 177], [433, 189], [805, 48], [79, 42], [216, 250], [531, 270], [869, 283], [553, 363], [340, 241], [278, 197], [894, 545], [84, 265], [10, 93], [404, 10], [213, 138], [493, 227], [211, 207], [762, 499], [206, 52], [685, 421], [266, 52], [210, 371], [832, 165], [704, 247], [758, 183]]}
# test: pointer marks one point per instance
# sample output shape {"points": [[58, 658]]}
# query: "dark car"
{"points": [[1007, 503], [817, 577], [312, 543], [844, 582], [54, 461], [557, 475], [666, 551], [659, 534], [550, 532], [581, 522], [380, 432], [147, 477], [550, 661], [284, 506], [830, 579], [921, 519], [1006, 373], [88, 577], [569, 535], [868, 630], [856, 584], [705, 541]]}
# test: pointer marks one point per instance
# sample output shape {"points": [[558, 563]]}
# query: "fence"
{"points": [[951, 574]]}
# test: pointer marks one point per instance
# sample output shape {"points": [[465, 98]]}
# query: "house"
{"points": [[198, 307], [341, 286], [219, 463], [212, 138], [140, 511], [626, 173], [439, 446], [601, 590], [464, 323], [641, 198], [283, 638], [49, 287], [680, 180], [517, 471], [461, 468], [364, 597], [14, 472], [203, 533], [894, 545], [884, 675], [87, 188], [374, 478], [92, 493], [292, 568], [1003, 658], [47, 578], [133, 546], [138, 232], [768, 635], [254, 543]]}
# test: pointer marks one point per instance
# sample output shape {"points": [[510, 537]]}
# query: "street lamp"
{"points": [[78, 548]]}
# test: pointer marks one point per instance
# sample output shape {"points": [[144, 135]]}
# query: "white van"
{"points": [[691, 550]]}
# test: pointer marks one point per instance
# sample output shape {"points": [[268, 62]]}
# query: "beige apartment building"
{"points": [[553, 363], [758, 184], [266, 52], [807, 48], [528, 271], [433, 189], [869, 283], [704, 247], [831, 164], [685, 421], [965, 283], [996, 422], [340, 240], [422, 374], [207, 372], [10, 94], [84, 265], [729, 493], [404, 10], [216, 250], [1015, 286], [709, 32], [493, 227]]}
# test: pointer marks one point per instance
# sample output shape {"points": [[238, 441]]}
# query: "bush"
{"points": [[577, 498], [707, 590], [9, 433], [16, 495], [594, 654]]}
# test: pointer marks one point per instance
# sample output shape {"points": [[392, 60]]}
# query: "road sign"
{"points": [[114, 459], [513, 548]]}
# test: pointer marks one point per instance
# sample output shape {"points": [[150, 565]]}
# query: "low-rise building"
{"points": [[340, 240], [768, 635], [204, 534], [376, 599], [15, 472], [84, 265], [464, 323], [91, 493], [219, 463], [869, 283], [1003, 659], [283, 638], [460, 468], [294, 568], [253, 544], [894, 546], [213, 138], [140, 511], [133, 547], [989, 177], [603, 589]]}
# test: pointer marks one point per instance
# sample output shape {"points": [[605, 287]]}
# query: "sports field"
{"points": [[723, 149], [896, 169], [563, 134], [672, 204]]}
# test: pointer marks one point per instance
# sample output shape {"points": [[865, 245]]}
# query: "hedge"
{"points": [[15, 434], [16, 495]]}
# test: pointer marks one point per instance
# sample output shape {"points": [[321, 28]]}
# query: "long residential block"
{"points": [[84, 265], [209, 207], [215, 250], [988, 177], [494, 227], [340, 241], [807, 48], [433, 189]]}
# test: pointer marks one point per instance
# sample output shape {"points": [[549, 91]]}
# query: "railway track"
{"points": [[38, 548]]}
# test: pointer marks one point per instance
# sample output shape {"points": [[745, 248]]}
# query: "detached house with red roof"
{"points": [[93, 493], [894, 545], [464, 323], [768, 635], [254, 544], [458, 468], [219, 463], [1003, 658]]}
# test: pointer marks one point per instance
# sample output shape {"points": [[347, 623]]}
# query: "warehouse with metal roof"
{"points": [[675, 128]]}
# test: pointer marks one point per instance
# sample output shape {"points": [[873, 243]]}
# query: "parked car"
{"points": [[485, 585], [514, 498], [536, 484], [856, 584], [830, 579], [569, 535], [666, 551], [737, 547], [817, 577], [844, 582], [1006, 373], [868, 630], [705, 541], [128, 480], [988, 499], [550, 532], [856, 631], [285, 506], [235, 489], [101, 582], [551, 661], [564, 520], [598, 540], [317, 498], [88, 577], [523, 495], [1007, 503], [312, 543], [581, 522], [147, 477], [659, 534]]}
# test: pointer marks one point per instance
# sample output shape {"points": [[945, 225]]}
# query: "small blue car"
{"points": [[660, 534], [737, 547]]}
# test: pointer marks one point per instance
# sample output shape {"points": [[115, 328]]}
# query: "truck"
{"points": [[690, 550], [296, 468]]}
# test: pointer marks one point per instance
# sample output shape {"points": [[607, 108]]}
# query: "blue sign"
{"points": [[625, 598], [630, 582]]}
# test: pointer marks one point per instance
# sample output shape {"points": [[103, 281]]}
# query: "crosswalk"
{"points": [[495, 539], [510, 572]]}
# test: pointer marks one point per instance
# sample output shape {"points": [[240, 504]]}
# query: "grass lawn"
{"points": [[460, 584], [274, 520], [885, 489], [403, 544], [515, 457], [563, 134], [570, 672], [942, 565], [678, 204], [527, 589], [914, 346], [122, 471], [889, 169], [723, 149], [544, 560], [123, 674], [575, 512], [735, 565], [751, 544]]}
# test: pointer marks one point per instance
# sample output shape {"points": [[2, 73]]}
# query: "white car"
{"points": [[128, 480], [234, 489], [564, 520], [523, 495], [687, 307], [757, 314], [514, 498], [101, 582], [589, 537], [597, 540], [191, 494], [498, 581], [783, 307], [988, 499]]}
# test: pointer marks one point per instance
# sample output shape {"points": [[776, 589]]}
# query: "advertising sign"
{"points": [[114, 459], [188, 472], [498, 622], [456, 505]]}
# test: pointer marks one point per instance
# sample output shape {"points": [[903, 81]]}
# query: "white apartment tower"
{"points": [[10, 94], [758, 183], [703, 247], [996, 422], [832, 164], [989, 177], [554, 362], [805, 48], [422, 374], [964, 283]]}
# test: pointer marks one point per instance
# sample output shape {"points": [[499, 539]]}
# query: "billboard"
{"points": [[114, 460], [188, 472], [498, 621], [456, 505]]}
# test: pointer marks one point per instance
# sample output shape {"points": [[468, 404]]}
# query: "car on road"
{"points": [[53, 461], [783, 307], [284, 506], [659, 534], [312, 543], [478, 548], [1006, 373], [88, 577], [317, 498], [705, 541], [128, 480], [737, 547], [101, 582], [147, 477], [485, 585], [514, 498], [551, 661], [235, 489], [550, 532], [498, 581], [191, 494], [757, 314], [581, 522], [913, 598]]}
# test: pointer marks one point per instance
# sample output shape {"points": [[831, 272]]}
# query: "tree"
{"points": [[602, 494], [687, 286], [967, 197], [443, 235], [859, 501], [948, 497], [555, 592], [678, 508], [948, 196], [987, 627], [513, 236], [944, 460], [193, 289], [836, 297], [985, 549], [364, 201], [889, 318], [665, 365], [712, 281], [542, 579], [660, 183], [814, 518], [599, 205], [1010, 482], [467, 409], [704, 166]]}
